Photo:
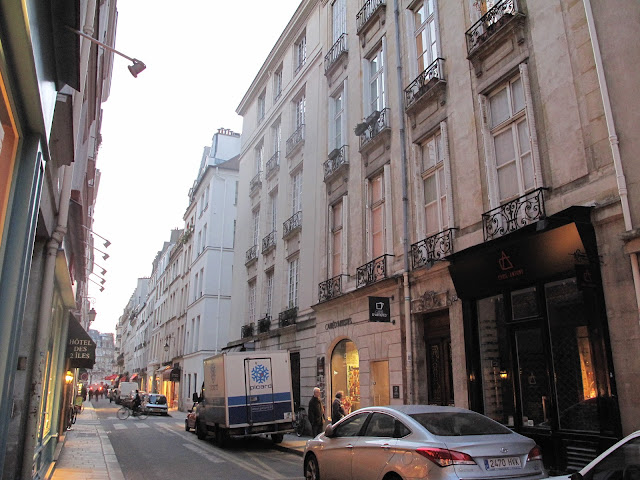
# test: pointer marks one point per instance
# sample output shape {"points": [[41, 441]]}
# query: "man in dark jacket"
{"points": [[316, 413], [337, 412]]}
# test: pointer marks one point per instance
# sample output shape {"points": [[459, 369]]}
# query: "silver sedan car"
{"points": [[420, 442]]}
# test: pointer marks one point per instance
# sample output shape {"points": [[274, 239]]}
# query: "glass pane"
{"points": [[524, 304], [527, 172], [337, 215], [622, 463], [533, 379], [455, 424], [508, 182], [351, 427], [517, 95], [505, 150], [430, 189], [499, 105], [495, 358], [380, 425], [420, 15], [429, 154], [337, 254], [523, 137], [376, 189]]}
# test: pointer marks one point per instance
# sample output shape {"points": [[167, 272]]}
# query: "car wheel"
{"points": [[392, 476], [277, 437], [201, 431], [311, 469], [186, 426]]}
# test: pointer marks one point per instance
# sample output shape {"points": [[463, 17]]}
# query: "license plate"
{"points": [[500, 463]]}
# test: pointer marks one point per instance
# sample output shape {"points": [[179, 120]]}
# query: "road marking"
{"points": [[142, 425], [203, 453], [119, 426]]}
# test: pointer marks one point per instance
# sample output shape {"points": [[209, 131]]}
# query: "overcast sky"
{"points": [[201, 57]]}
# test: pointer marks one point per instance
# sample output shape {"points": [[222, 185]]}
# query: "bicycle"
{"points": [[124, 412], [299, 422]]}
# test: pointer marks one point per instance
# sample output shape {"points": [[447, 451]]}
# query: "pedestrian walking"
{"points": [[316, 413], [90, 393], [337, 412]]}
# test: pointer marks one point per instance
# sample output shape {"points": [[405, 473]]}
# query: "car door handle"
{"points": [[349, 446], [386, 446]]}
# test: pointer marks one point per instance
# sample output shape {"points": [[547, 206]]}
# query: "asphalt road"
{"points": [[159, 448]]}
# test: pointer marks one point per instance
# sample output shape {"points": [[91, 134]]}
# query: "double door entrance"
{"points": [[437, 339]]}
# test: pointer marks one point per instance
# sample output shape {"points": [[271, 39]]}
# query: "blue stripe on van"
{"points": [[259, 413], [264, 398]]}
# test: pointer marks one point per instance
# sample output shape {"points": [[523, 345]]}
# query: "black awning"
{"points": [[81, 350]]}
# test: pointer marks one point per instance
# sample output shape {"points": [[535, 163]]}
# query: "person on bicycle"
{"points": [[135, 405], [316, 413]]}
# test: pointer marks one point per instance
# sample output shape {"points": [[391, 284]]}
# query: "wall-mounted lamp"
{"points": [[137, 66], [101, 287], [166, 346], [104, 270], [106, 242], [68, 378], [92, 315], [503, 374], [105, 256]]}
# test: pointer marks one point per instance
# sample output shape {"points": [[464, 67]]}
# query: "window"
{"points": [[269, 293], [292, 294], [377, 223], [273, 200], [374, 87], [235, 195], [252, 301], [277, 84], [339, 17], [483, 6], [299, 111], [204, 237], [262, 106], [336, 239], [206, 197], [276, 135], [351, 427], [259, 158], [435, 191], [336, 109], [296, 193], [424, 26], [300, 52], [256, 226], [510, 140], [380, 425], [201, 281]]}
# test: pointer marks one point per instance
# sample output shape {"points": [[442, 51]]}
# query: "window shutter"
{"points": [[444, 132], [345, 233], [489, 155], [388, 212], [345, 117], [384, 72], [533, 137]]}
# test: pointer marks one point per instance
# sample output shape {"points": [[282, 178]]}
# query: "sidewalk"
{"points": [[86, 452], [293, 444]]}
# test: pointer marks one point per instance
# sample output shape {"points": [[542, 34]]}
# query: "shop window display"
{"points": [[345, 367]]}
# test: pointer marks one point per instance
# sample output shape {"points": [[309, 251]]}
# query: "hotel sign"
{"points": [[81, 349]]}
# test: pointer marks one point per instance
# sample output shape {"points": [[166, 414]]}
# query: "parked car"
{"points": [[190, 421], [420, 441], [620, 462], [155, 403]]}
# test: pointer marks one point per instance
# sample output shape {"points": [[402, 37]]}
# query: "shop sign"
{"points": [[174, 376], [338, 323], [379, 309], [396, 391], [81, 349]]}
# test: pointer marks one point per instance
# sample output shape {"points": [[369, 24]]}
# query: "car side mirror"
{"points": [[328, 432]]}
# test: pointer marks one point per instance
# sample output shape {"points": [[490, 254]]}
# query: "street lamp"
{"points": [[105, 256], [93, 281], [92, 315], [106, 242]]}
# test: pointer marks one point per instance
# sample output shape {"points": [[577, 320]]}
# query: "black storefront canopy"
{"points": [[81, 350]]}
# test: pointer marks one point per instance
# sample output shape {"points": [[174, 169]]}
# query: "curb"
{"points": [[284, 448]]}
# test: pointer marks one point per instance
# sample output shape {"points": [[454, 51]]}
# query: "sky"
{"points": [[201, 57]]}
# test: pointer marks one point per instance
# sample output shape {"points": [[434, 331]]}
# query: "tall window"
{"points": [[339, 17], [299, 111], [204, 237], [376, 229], [262, 106], [425, 34], [296, 193], [277, 84], [252, 301], [511, 140], [276, 136], [259, 158], [269, 293], [273, 200], [337, 119], [292, 294], [336, 239], [374, 82], [435, 192], [256, 226], [300, 52]]}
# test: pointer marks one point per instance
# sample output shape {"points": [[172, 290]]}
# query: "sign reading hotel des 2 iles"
{"points": [[81, 349]]}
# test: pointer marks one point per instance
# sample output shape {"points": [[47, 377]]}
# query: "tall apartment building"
{"points": [[468, 179], [105, 356]]}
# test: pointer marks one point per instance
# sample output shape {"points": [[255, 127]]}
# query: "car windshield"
{"points": [[457, 424], [158, 399]]}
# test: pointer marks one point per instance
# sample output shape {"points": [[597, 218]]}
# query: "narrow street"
{"points": [[159, 447]]}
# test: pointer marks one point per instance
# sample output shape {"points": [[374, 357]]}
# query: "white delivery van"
{"points": [[244, 394], [126, 390]]}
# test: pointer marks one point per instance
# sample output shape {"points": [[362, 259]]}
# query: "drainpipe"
{"points": [[613, 141], [224, 210], [405, 216]]}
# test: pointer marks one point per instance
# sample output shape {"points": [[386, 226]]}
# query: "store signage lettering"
{"points": [[379, 309], [80, 348], [507, 269], [338, 323]]}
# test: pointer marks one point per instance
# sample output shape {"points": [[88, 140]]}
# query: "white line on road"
{"points": [[142, 425], [119, 426], [203, 453]]}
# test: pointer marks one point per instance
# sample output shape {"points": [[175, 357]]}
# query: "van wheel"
{"points": [[201, 431], [277, 437]]}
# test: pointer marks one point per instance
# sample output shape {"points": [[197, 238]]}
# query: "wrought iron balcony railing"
{"points": [[269, 242], [376, 125], [431, 76], [497, 16], [292, 224], [288, 317], [246, 331], [513, 215], [255, 181], [295, 139], [272, 165], [336, 52], [264, 324], [331, 288], [337, 158], [251, 255], [367, 11], [431, 249], [372, 272]]}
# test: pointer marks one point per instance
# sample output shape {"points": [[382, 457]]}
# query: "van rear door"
{"points": [[258, 376]]}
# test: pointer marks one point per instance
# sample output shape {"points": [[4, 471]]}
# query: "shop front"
{"points": [[536, 334]]}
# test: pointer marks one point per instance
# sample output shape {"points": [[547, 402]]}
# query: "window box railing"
{"points": [[251, 255], [338, 48], [288, 317], [272, 164], [513, 215], [431, 249], [246, 331], [264, 324], [337, 159], [295, 139], [376, 123], [372, 272], [255, 182], [331, 288], [492, 21], [424, 83], [269, 242], [292, 224], [367, 12]]}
